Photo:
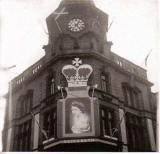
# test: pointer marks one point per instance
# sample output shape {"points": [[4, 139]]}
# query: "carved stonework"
{"points": [[78, 107], [77, 75], [72, 30]]}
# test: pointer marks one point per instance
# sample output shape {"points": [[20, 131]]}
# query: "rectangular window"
{"points": [[22, 108], [67, 43], [132, 97], [26, 103], [136, 99], [129, 97], [135, 130], [105, 83], [50, 85], [50, 123], [23, 137], [107, 121]]}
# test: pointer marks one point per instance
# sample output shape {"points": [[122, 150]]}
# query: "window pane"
{"points": [[132, 96], [129, 99], [52, 85], [105, 85], [103, 113], [23, 136], [103, 127], [109, 116], [135, 132], [49, 124], [136, 99], [107, 121], [50, 89], [103, 77]]}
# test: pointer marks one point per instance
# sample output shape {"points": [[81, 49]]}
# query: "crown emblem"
{"points": [[77, 75]]}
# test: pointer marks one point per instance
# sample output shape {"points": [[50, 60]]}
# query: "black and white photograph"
{"points": [[78, 116], [79, 75]]}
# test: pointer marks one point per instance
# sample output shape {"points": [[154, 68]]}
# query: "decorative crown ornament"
{"points": [[77, 75]]}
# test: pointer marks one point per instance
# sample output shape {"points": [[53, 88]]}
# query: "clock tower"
{"points": [[77, 26], [80, 96]]}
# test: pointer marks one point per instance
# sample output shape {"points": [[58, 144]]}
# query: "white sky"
{"points": [[134, 33]]}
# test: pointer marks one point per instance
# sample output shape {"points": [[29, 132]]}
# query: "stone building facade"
{"points": [[80, 96]]}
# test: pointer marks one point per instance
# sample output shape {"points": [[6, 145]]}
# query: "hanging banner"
{"points": [[78, 116], [77, 108]]}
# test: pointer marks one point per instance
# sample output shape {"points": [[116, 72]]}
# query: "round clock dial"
{"points": [[76, 25]]}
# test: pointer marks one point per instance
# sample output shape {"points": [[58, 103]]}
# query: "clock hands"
{"points": [[58, 26], [58, 15]]}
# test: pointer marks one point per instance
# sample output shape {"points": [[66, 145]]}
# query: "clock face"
{"points": [[76, 25]]}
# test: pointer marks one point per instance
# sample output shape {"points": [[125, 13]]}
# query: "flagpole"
{"points": [[146, 59], [110, 26], [41, 129], [117, 129], [144, 62]]}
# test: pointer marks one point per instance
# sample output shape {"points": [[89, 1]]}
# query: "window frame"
{"points": [[134, 99], [105, 83], [22, 138], [135, 133], [50, 86], [46, 125], [24, 104], [106, 124]]}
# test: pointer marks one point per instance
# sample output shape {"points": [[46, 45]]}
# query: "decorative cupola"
{"points": [[77, 26]]}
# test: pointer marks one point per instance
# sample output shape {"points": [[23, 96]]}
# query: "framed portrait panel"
{"points": [[78, 117]]}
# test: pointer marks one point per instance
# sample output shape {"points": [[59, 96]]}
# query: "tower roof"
{"points": [[77, 2]]}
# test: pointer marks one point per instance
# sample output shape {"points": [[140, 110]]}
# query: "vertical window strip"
{"points": [[133, 97], [23, 137], [52, 86], [50, 123], [134, 132], [129, 97], [107, 121], [105, 82], [25, 104]]}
